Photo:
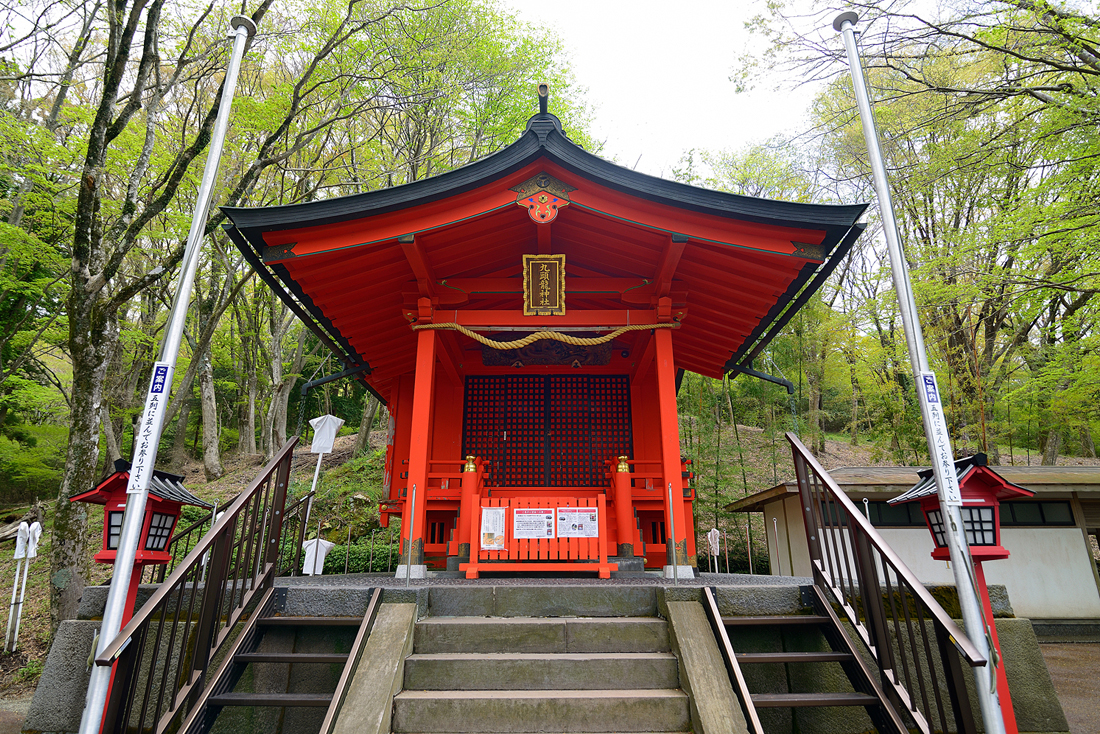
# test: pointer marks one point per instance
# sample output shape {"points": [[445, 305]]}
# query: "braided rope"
{"points": [[539, 335]]}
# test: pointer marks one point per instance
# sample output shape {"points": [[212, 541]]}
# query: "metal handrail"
{"points": [[733, 669], [352, 664], [295, 510], [163, 653], [886, 604]]}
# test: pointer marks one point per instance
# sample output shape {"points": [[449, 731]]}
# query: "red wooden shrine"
{"points": [[406, 284]]}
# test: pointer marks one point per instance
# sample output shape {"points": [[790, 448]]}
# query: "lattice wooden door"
{"points": [[552, 431]]}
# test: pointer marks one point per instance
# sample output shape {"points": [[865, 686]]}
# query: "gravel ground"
{"points": [[12, 713], [1075, 670]]}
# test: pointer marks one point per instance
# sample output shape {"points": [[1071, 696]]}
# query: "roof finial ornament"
{"points": [[544, 97]]}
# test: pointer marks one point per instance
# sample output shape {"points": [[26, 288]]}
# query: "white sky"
{"points": [[657, 73]]}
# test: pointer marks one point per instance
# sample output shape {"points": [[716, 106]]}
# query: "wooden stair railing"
{"points": [[916, 648], [905, 659], [162, 655], [220, 693]]}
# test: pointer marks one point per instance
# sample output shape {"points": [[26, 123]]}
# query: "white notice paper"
{"points": [[578, 522], [533, 523], [492, 528], [149, 428], [932, 407]]}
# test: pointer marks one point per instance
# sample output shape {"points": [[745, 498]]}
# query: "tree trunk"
{"points": [[92, 340], [854, 439], [111, 440], [179, 440], [1053, 445], [362, 439], [211, 434], [247, 442], [1088, 448]]}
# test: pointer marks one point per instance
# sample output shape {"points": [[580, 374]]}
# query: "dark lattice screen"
{"points": [[551, 431], [609, 413], [483, 418], [525, 432], [568, 438]]}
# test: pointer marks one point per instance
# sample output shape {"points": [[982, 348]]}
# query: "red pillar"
{"points": [[670, 444], [470, 502], [423, 389], [1002, 679], [624, 509]]}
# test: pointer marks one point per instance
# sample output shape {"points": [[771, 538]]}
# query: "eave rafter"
{"points": [[418, 261], [670, 259]]}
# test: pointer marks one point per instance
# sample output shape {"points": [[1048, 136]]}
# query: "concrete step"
{"points": [[542, 601], [540, 634], [540, 671], [464, 712]]}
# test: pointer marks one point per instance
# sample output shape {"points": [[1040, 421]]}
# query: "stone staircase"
{"points": [[530, 674]]}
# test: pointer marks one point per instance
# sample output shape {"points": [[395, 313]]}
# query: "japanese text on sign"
{"points": [[532, 523], [492, 528], [940, 441], [149, 429], [543, 285], [578, 522]]}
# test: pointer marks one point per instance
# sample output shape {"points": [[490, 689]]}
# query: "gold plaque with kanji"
{"points": [[544, 285]]}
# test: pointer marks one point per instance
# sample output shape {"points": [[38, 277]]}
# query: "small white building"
{"points": [[1050, 573]]}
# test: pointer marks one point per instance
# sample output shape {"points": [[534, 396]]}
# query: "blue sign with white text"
{"points": [[160, 373], [930, 392]]}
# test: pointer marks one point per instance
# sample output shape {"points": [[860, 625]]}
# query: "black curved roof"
{"points": [[544, 137]]}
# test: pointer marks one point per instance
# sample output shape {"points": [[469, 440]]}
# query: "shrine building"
{"points": [[526, 320]]}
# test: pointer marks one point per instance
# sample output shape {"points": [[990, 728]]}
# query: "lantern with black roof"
{"points": [[167, 496], [982, 491]]}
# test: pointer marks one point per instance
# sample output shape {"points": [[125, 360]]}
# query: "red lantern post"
{"points": [[167, 496], [982, 490]]}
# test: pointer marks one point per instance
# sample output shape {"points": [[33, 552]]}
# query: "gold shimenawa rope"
{"points": [[538, 335]]}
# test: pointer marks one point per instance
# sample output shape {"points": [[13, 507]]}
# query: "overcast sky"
{"points": [[658, 73]]}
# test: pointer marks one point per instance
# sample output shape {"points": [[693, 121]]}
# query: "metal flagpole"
{"points": [[152, 419], [931, 406], [409, 548], [672, 529]]}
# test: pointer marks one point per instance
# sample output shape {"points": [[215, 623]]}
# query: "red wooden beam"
{"points": [[670, 258], [450, 356], [543, 231], [643, 354], [511, 319], [670, 443], [573, 284], [418, 261]]}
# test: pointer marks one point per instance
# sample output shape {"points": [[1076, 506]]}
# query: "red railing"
{"points": [[162, 655]]}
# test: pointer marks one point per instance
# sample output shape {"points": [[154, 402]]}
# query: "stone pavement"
{"points": [[1075, 670], [387, 580]]}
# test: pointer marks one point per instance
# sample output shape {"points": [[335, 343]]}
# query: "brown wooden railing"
{"points": [[733, 669], [354, 656], [162, 655], [914, 642], [294, 530]]}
